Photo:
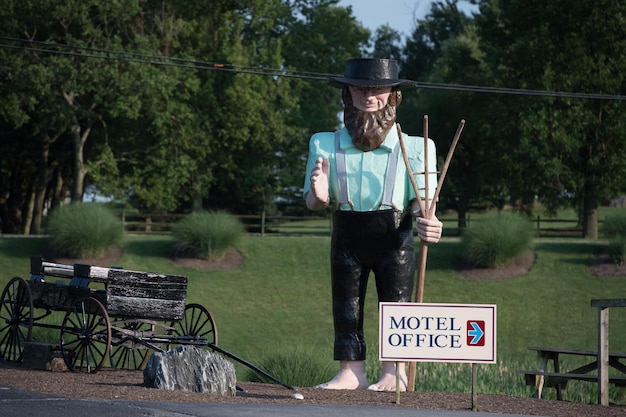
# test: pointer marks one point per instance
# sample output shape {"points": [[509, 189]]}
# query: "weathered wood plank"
{"points": [[136, 282], [148, 308], [122, 275], [553, 379], [51, 296], [146, 295], [547, 350], [144, 292], [609, 302], [95, 273]]}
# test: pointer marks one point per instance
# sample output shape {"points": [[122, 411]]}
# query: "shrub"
{"points": [[206, 235], [83, 230], [497, 239], [614, 228], [301, 367]]}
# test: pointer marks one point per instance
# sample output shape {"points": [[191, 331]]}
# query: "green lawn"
{"points": [[279, 300]]}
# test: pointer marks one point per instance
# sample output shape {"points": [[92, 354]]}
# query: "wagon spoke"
{"points": [[16, 312], [126, 350], [8, 342], [93, 354], [86, 336], [71, 344], [197, 326]]}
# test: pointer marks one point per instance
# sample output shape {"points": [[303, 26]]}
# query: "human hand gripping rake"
{"points": [[426, 207]]}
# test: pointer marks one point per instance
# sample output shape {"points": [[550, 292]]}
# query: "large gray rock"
{"points": [[189, 368]]}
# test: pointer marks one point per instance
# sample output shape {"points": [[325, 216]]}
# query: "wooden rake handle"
{"points": [[426, 209]]}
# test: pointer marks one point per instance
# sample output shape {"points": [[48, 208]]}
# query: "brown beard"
{"points": [[369, 129]]}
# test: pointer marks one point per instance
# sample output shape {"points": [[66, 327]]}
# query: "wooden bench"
{"points": [[558, 379]]}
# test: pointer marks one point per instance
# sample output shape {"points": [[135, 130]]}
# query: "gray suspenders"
{"points": [[342, 175]]}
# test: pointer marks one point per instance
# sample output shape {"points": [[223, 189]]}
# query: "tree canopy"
{"points": [[570, 150], [176, 107]]}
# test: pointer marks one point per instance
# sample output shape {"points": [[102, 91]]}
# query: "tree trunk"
{"points": [[462, 210], [35, 207], [78, 140], [57, 194], [36, 210], [15, 202], [79, 137], [197, 203], [28, 215], [462, 219], [590, 213]]}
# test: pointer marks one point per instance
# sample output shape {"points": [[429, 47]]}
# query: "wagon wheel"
{"points": [[196, 327], [16, 319], [85, 336], [126, 351]]}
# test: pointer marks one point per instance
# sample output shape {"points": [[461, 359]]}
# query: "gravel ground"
{"points": [[115, 384]]}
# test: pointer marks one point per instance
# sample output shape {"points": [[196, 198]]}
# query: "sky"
{"points": [[399, 14]]}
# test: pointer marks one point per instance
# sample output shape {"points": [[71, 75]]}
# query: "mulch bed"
{"points": [[125, 385]]}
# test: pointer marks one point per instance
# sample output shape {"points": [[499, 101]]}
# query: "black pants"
{"points": [[381, 242]]}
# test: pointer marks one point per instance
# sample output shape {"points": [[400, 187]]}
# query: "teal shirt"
{"points": [[366, 170]]}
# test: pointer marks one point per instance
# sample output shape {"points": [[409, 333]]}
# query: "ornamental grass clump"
{"points": [[84, 230], [496, 240], [206, 235], [614, 228], [298, 366]]}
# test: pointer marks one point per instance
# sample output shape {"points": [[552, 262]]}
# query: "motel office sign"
{"points": [[419, 332]]}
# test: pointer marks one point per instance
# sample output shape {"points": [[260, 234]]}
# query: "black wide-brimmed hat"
{"points": [[370, 72]]}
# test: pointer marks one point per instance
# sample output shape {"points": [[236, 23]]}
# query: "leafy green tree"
{"points": [[575, 147], [424, 46], [243, 111], [387, 43], [74, 92], [165, 106], [322, 36], [444, 49], [474, 179]]}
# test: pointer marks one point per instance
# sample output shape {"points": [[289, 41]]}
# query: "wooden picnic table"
{"points": [[602, 360], [558, 378]]}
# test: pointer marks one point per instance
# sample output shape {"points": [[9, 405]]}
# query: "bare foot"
{"points": [[387, 381], [351, 376]]}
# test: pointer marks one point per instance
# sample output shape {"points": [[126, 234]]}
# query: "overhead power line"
{"points": [[111, 55], [517, 91], [107, 54]]}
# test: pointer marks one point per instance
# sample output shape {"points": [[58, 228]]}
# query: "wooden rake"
{"points": [[426, 207]]}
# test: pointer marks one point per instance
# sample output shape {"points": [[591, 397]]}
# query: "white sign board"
{"points": [[419, 332]]}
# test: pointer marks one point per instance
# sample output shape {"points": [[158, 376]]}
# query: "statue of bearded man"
{"points": [[359, 171]]}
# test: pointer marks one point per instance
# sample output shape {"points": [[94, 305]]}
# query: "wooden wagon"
{"points": [[105, 316]]}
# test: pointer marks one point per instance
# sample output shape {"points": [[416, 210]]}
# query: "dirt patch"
{"points": [[516, 267], [231, 259], [108, 259], [604, 267]]}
